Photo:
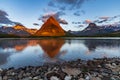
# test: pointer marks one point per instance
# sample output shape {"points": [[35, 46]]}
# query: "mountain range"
{"points": [[94, 30], [17, 30], [52, 28]]}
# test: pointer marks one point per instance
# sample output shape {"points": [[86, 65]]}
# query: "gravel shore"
{"points": [[96, 69]]}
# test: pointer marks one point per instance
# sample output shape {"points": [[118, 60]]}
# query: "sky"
{"points": [[72, 15]]}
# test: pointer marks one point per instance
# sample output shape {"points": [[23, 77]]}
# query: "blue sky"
{"points": [[77, 13]]}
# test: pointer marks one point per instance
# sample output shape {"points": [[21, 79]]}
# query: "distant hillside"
{"points": [[8, 36], [23, 28], [98, 31], [113, 34], [12, 31], [16, 31]]}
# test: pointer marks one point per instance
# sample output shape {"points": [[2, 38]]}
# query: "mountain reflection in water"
{"points": [[34, 52], [93, 44], [51, 46]]}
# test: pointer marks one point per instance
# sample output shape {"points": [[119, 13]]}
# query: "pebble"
{"points": [[93, 78], [110, 66], [87, 78], [104, 74], [68, 77], [97, 78], [115, 73], [0, 77], [30, 77], [5, 78], [71, 71], [81, 79], [112, 78], [12, 73], [113, 64], [26, 78], [66, 71], [35, 78], [54, 78], [99, 66], [1, 70], [100, 76]]}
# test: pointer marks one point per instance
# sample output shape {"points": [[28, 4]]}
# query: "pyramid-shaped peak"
{"points": [[52, 20], [52, 17], [50, 28]]}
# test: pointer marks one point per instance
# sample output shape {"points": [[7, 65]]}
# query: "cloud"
{"points": [[3, 13], [100, 21], [69, 4], [74, 5], [62, 21], [62, 8], [56, 15], [51, 4], [79, 13], [105, 20], [88, 21], [35, 24], [114, 17], [96, 21], [104, 17], [3, 18], [82, 11], [76, 22], [81, 26]]}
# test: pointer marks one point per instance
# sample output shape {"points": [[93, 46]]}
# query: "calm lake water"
{"points": [[34, 52]]}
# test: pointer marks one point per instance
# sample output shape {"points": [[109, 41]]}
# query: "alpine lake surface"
{"points": [[23, 52]]}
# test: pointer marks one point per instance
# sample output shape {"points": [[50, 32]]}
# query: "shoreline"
{"points": [[96, 69]]}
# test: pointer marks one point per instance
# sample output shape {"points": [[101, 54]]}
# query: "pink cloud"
{"points": [[56, 15]]}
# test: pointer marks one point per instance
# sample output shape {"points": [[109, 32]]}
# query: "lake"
{"points": [[35, 52]]}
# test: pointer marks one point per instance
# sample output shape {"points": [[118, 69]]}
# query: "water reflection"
{"points": [[3, 58], [92, 44], [51, 47], [17, 44], [25, 52]]}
